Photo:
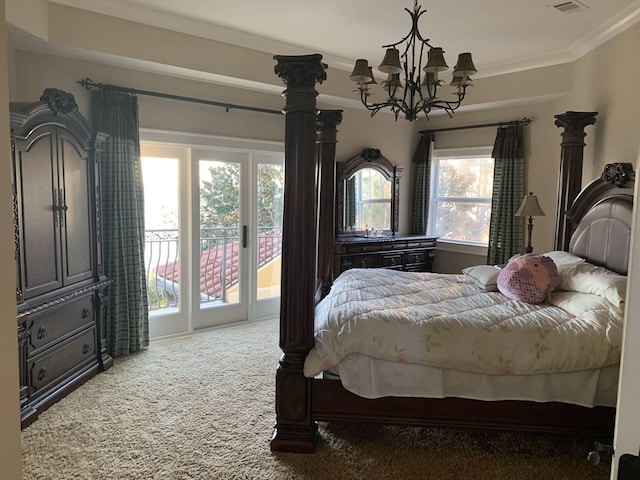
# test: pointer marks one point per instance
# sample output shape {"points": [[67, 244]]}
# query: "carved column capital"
{"points": [[326, 125], [300, 73], [574, 124]]}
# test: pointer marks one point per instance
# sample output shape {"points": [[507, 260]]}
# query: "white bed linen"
{"points": [[374, 378], [499, 358]]}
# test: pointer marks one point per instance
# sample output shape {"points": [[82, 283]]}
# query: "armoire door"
{"points": [[36, 167], [74, 210]]}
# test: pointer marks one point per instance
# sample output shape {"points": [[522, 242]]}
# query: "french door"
{"points": [[213, 226]]}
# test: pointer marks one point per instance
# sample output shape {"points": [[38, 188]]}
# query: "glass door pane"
{"points": [[220, 242], [269, 201], [162, 169]]}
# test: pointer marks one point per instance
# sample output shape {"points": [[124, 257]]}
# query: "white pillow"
{"points": [[562, 259], [587, 278], [484, 276]]}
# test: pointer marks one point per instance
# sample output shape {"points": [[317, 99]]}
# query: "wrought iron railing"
{"points": [[219, 259]]}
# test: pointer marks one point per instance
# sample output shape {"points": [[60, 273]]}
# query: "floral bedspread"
{"points": [[448, 322]]}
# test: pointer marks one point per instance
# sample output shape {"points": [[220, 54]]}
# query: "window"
{"points": [[461, 189]]}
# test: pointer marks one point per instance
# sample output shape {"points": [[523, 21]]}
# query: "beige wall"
{"points": [[454, 262], [10, 449]]}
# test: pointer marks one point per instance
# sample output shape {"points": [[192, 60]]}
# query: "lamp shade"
{"points": [[465, 65], [530, 207], [436, 62], [391, 61], [361, 72]]}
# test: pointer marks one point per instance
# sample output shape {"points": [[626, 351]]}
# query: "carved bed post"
{"points": [[295, 430], [327, 122], [570, 181]]}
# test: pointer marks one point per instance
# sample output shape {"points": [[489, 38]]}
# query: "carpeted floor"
{"points": [[201, 407]]}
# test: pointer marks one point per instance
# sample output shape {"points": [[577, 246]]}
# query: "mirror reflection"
{"points": [[368, 201]]}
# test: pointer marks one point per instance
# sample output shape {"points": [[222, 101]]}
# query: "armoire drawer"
{"points": [[51, 325], [72, 353]]}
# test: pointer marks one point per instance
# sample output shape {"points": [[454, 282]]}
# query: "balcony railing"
{"points": [[219, 259]]}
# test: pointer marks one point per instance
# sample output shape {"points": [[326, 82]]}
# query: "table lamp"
{"points": [[529, 208]]}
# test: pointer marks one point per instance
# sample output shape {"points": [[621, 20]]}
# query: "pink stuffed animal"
{"points": [[529, 278]]}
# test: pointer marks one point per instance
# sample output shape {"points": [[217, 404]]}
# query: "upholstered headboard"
{"points": [[603, 216]]}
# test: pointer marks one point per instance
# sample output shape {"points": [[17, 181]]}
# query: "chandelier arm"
{"points": [[375, 107], [413, 32]]}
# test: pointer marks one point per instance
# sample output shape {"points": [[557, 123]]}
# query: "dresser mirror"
{"points": [[367, 195]]}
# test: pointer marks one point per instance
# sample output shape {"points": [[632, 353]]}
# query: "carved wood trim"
{"points": [[616, 180], [63, 299], [59, 101]]}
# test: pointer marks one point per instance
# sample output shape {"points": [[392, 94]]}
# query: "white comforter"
{"points": [[448, 322]]}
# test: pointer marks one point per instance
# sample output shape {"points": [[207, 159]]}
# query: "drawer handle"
{"points": [[43, 374], [42, 333], [363, 263], [86, 348], [393, 261], [85, 312]]}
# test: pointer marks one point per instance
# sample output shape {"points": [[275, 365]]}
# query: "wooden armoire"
{"points": [[60, 281]]}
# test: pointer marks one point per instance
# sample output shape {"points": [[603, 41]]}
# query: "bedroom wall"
{"points": [[10, 446]]}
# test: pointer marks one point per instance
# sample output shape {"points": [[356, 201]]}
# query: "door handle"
{"points": [[244, 236]]}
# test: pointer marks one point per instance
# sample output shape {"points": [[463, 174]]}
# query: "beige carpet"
{"points": [[201, 407]]}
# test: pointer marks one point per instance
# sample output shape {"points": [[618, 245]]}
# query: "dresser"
{"points": [[412, 253], [60, 281]]}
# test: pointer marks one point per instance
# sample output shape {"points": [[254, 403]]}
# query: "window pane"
{"points": [[465, 177], [465, 221]]}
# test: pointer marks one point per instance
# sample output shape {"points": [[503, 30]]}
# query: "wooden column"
{"points": [[570, 181], [327, 122], [295, 431]]}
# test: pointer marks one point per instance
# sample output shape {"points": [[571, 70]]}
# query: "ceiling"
{"points": [[503, 35]]}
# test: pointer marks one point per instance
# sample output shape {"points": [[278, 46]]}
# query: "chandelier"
{"points": [[410, 88]]}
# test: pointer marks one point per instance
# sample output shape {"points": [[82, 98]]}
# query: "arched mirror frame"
{"points": [[368, 158]]}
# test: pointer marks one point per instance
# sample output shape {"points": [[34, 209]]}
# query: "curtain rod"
{"points": [[89, 84], [525, 121]]}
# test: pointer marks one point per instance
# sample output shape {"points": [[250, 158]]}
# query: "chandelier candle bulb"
{"points": [[418, 97]]}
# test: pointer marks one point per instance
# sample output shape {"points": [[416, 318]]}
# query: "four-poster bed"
{"points": [[301, 401]]}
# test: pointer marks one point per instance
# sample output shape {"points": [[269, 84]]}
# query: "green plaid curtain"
{"points": [[127, 317], [506, 231], [421, 181]]}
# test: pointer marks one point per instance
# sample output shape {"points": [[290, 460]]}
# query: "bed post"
{"points": [[570, 181], [327, 122], [295, 431]]}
